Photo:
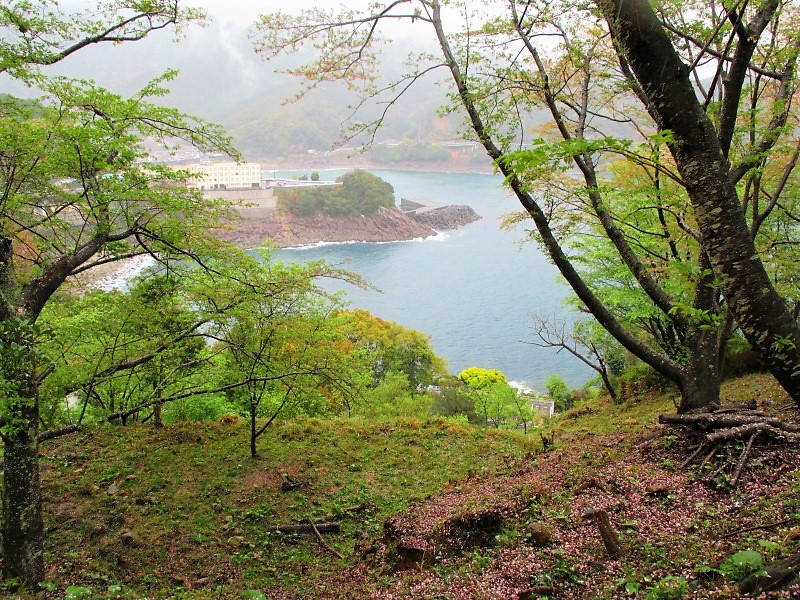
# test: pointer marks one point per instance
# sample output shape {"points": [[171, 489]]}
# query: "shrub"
{"points": [[454, 399], [200, 408]]}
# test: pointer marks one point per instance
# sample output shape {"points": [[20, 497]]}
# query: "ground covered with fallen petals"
{"points": [[428, 510]]}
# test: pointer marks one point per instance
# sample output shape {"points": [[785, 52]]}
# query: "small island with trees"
{"points": [[358, 207]]}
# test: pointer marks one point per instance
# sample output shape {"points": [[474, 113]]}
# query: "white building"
{"points": [[225, 176]]}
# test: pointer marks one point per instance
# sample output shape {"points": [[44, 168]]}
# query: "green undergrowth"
{"points": [[602, 415], [138, 509], [183, 511]]}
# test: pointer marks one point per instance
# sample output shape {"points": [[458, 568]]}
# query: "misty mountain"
{"points": [[222, 79]]}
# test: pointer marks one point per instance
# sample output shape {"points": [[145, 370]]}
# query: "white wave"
{"points": [[440, 236], [524, 388], [129, 268]]}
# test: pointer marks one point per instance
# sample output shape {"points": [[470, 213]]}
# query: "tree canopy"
{"points": [[360, 193], [614, 81], [78, 191]]}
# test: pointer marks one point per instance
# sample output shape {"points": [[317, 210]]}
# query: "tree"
{"points": [[116, 352], [494, 400], [394, 397], [42, 33], [393, 348], [559, 392], [588, 80], [481, 379], [582, 342], [73, 195], [454, 399], [360, 193], [281, 338], [702, 150]]}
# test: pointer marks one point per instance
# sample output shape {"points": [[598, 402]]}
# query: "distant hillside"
{"points": [[267, 125]]}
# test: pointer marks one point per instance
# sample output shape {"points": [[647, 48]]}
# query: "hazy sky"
{"points": [[245, 12]]}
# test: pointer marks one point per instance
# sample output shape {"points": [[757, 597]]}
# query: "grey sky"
{"points": [[245, 12]]}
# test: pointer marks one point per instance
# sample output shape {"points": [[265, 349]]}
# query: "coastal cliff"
{"points": [[387, 225]]}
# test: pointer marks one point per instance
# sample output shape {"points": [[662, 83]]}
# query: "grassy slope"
{"points": [[183, 512]]}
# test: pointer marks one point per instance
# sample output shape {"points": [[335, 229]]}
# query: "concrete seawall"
{"points": [[250, 203]]}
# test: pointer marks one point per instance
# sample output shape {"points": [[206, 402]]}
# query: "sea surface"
{"points": [[473, 289]]}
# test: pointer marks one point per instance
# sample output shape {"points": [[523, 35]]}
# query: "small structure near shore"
{"points": [[411, 207]]}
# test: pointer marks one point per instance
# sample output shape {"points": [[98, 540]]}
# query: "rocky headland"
{"points": [[447, 217], [388, 225]]}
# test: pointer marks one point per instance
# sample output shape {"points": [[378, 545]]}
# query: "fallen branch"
{"points": [[721, 431], [332, 527], [737, 473], [708, 457], [322, 542], [648, 439], [751, 429], [775, 576], [756, 528], [694, 455], [748, 405], [706, 421], [357, 508]]}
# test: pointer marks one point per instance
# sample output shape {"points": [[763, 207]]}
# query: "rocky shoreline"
{"points": [[390, 225], [452, 216]]}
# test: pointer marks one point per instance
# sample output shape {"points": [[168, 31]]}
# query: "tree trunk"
{"points": [[602, 370], [253, 432], [22, 526], [23, 529], [702, 377], [8, 282], [700, 387], [760, 312]]}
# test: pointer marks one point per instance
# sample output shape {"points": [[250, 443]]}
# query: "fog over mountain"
{"points": [[223, 80]]}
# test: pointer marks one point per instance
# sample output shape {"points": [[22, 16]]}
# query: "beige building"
{"points": [[225, 176]]}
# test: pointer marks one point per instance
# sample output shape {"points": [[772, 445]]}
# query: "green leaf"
{"points": [[73, 592], [633, 587], [741, 564]]}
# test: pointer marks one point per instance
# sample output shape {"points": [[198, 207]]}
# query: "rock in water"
{"points": [[447, 217]]}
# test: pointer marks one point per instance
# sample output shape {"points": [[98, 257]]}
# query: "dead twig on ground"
{"points": [[722, 430], [757, 528], [330, 527], [322, 542]]}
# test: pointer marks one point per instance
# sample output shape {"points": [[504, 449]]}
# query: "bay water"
{"points": [[472, 290]]}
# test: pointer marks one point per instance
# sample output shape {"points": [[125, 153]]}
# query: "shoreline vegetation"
{"points": [[255, 228], [362, 208]]}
